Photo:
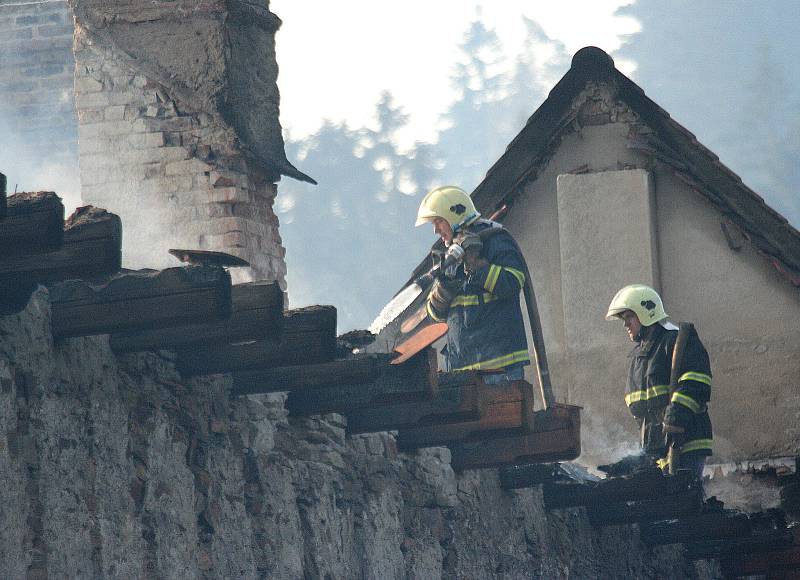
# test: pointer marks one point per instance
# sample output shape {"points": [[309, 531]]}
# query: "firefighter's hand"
{"points": [[473, 246]]}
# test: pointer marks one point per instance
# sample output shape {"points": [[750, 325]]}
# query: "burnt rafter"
{"points": [[257, 314], [309, 337], [140, 299], [33, 224], [91, 249], [3, 201], [362, 382]]}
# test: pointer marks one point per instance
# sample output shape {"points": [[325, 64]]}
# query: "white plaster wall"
{"points": [[747, 314]]}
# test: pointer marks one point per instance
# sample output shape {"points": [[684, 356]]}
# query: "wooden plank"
{"points": [[451, 404], [33, 224], [140, 299], [92, 248], [507, 407], [757, 553], [561, 442], [650, 484], [257, 315], [309, 337], [679, 505], [415, 380]]}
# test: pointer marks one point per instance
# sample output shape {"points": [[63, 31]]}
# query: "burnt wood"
{"points": [[453, 403], [92, 248], [309, 337], [143, 299], [364, 382], [683, 504], [556, 437], [746, 556], [506, 408], [33, 224], [3, 202], [257, 314], [714, 525], [520, 476], [649, 484]]}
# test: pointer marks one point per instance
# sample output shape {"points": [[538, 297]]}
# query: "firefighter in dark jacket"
{"points": [[677, 419], [478, 295]]}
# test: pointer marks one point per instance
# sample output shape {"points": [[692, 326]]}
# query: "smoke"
{"points": [[603, 441], [30, 169]]}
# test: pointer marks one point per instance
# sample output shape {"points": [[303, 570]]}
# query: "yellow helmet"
{"points": [[452, 204], [642, 300]]}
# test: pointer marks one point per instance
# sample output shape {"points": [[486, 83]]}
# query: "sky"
{"points": [[409, 48]]}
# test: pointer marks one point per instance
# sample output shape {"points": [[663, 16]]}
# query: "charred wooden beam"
{"points": [[33, 224], [92, 248], [143, 299], [556, 437], [453, 403], [520, 476], [508, 408], [719, 524], [374, 382], [257, 314], [773, 557], [645, 485], [3, 202], [679, 505], [309, 337]]}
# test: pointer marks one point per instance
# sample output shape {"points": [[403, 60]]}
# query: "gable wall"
{"points": [[745, 311]]}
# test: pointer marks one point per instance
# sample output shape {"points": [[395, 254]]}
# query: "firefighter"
{"points": [[678, 419], [478, 296]]}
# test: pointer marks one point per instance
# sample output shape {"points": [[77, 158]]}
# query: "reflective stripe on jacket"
{"points": [[648, 393], [485, 325]]}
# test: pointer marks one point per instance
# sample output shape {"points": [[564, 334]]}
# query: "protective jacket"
{"points": [[648, 392], [485, 325]]}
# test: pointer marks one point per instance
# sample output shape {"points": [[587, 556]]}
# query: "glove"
{"points": [[454, 255], [473, 246], [442, 294]]}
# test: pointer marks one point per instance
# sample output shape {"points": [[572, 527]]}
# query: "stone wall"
{"points": [[119, 468]]}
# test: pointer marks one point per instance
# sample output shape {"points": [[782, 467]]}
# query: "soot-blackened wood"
{"points": [[649, 484], [309, 337], [414, 380], [257, 315], [138, 300], [452, 403], [506, 408], [92, 249], [773, 547], [520, 476], [3, 202], [556, 437], [683, 504], [33, 224], [706, 526]]}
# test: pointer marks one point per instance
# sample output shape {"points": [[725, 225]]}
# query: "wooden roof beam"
{"points": [[309, 337], [257, 314], [363, 382], [33, 223], [140, 300]]}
